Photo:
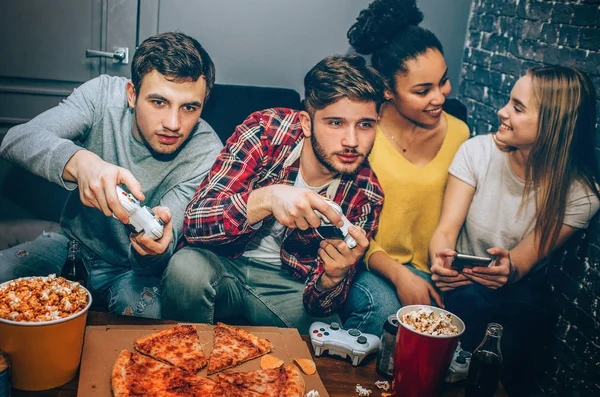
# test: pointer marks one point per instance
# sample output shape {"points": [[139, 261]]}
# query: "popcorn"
{"points": [[426, 321], [382, 385], [312, 393], [37, 299], [362, 392]]}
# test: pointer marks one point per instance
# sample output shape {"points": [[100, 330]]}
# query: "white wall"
{"points": [[275, 42]]}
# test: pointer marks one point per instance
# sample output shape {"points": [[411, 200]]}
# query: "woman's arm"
{"points": [[411, 289], [457, 200], [513, 265]]}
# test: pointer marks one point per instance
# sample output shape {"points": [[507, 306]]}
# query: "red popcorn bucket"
{"points": [[421, 360]]}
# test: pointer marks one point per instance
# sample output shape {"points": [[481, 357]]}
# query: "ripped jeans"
{"points": [[123, 291]]}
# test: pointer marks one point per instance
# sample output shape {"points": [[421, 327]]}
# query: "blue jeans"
{"points": [[123, 291], [519, 308], [372, 299], [202, 287]]}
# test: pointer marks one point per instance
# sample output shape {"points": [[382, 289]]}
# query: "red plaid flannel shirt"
{"points": [[254, 157]]}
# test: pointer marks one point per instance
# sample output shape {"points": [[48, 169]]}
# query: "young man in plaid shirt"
{"points": [[251, 247]]}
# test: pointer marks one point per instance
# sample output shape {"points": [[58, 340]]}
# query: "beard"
{"points": [[156, 149], [325, 159]]}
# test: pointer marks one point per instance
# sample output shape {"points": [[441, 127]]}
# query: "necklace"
{"points": [[398, 143], [393, 138]]}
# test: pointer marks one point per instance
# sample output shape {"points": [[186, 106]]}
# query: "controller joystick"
{"points": [[141, 219], [343, 343]]}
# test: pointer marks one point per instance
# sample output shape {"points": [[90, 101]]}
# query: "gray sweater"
{"points": [[96, 117]]}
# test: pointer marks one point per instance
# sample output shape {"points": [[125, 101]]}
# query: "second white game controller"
{"points": [[141, 219], [343, 231], [340, 342], [459, 366]]}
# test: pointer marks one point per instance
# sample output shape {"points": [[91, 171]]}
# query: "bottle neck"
{"points": [[73, 250], [491, 341], [494, 330]]}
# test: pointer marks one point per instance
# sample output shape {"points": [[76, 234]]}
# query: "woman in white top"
{"points": [[516, 195]]}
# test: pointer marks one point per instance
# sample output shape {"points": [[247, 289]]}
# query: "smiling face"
{"points": [[519, 118], [166, 111], [420, 92], [341, 136]]}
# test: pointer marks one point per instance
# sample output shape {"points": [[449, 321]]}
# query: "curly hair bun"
{"points": [[382, 21]]}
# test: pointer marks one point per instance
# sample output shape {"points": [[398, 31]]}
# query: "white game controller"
{"points": [[350, 242], [140, 218], [459, 366], [339, 342]]}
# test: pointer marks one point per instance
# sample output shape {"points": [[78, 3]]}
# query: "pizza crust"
{"points": [[118, 378], [294, 386]]}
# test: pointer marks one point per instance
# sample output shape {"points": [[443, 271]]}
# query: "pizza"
{"points": [[279, 382], [233, 346], [136, 375], [171, 358], [179, 346]]}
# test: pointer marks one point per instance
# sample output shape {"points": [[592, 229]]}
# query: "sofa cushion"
{"points": [[229, 105]]}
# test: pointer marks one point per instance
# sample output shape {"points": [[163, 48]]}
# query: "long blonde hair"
{"points": [[563, 150]]}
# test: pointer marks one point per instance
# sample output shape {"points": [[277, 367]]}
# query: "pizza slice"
{"points": [[136, 375], [279, 382], [232, 346], [179, 346]]}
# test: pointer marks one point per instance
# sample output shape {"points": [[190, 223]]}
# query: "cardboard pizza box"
{"points": [[102, 345]]}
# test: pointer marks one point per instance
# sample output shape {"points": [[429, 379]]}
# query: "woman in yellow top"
{"points": [[414, 146]]}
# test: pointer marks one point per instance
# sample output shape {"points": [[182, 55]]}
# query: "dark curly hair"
{"points": [[389, 30]]}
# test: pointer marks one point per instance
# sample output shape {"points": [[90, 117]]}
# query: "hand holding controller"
{"points": [[350, 242], [339, 342], [140, 218]]}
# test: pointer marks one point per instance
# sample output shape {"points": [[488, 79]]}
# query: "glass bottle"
{"points": [[486, 362], [74, 268]]}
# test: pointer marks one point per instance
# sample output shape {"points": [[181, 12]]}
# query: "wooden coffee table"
{"points": [[339, 376]]}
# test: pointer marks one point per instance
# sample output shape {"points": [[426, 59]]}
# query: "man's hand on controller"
{"points": [[147, 246], [338, 258], [294, 207], [96, 180]]}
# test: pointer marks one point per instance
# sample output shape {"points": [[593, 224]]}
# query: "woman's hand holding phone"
{"points": [[444, 277], [495, 276]]}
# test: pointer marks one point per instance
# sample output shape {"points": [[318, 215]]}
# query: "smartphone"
{"points": [[463, 260]]}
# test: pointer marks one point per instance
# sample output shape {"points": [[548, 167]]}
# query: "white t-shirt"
{"points": [[265, 246], [492, 219]]}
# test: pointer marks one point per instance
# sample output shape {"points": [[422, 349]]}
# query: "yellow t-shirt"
{"points": [[413, 197]]}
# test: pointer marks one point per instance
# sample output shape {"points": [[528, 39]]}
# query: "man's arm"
{"points": [[227, 204], [217, 213], [50, 146], [44, 145], [324, 292]]}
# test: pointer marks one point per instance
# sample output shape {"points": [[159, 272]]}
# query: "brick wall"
{"points": [[506, 37]]}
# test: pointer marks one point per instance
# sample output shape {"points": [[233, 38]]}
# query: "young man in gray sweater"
{"points": [[145, 135]]}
